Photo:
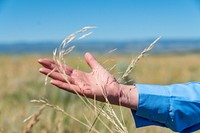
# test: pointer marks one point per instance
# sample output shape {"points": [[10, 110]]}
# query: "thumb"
{"points": [[91, 61]]}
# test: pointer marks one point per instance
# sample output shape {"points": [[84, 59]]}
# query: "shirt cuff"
{"points": [[142, 122], [153, 105]]}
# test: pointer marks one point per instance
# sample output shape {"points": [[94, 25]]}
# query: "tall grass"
{"points": [[19, 87]]}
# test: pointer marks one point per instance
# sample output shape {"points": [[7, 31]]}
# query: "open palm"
{"points": [[99, 83]]}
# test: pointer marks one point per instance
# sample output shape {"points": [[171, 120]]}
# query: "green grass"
{"points": [[20, 82]]}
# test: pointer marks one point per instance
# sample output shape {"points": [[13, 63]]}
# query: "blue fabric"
{"points": [[174, 106]]}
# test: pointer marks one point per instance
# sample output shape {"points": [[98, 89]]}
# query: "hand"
{"points": [[99, 83]]}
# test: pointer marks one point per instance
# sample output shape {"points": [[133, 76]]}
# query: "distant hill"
{"points": [[126, 47]]}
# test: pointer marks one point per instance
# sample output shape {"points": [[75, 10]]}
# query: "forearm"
{"points": [[128, 96]]}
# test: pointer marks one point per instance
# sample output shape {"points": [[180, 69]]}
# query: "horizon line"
{"points": [[102, 40]]}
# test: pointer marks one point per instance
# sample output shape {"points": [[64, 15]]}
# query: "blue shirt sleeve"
{"points": [[174, 106]]}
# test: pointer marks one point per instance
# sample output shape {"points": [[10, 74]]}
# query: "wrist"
{"points": [[128, 96]]}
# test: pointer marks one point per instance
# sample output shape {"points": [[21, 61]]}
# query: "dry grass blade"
{"points": [[57, 108], [33, 120], [86, 28], [134, 61], [109, 52], [95, 120], [85, 35]]}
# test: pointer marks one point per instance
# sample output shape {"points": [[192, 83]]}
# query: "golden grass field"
{"points": [[21, 82]]}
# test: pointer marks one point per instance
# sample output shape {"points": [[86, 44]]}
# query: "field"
{"points": [[21, 82]]}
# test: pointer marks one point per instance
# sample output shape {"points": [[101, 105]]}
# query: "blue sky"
{"points": [[52, 20]]}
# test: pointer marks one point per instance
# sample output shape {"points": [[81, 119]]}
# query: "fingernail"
{"points": [[39, 60], [52, 81], [41, 69], [87, 53]]}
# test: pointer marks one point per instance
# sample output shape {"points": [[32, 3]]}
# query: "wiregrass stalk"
{"points": [[106, 110], [135, 60], [59, 109], [34, 119]]}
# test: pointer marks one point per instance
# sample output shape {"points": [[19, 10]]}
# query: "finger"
{"points": [[91, 61], [50, 64], [56, 75], [65, 86], [47, 63]]}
